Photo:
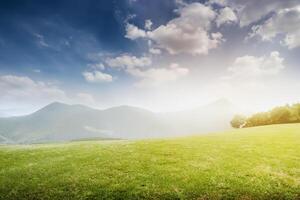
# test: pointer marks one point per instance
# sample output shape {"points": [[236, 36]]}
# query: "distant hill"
{"points": [[62, 122]]}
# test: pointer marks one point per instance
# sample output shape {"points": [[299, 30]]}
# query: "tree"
{"points": [[238, 121], [259, 119], [296, 112], [281, 115], [278, 115]]}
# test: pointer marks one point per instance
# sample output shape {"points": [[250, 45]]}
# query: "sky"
{"points": [[162, 55]]}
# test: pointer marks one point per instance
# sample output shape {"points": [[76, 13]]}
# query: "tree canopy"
{"points": [[278, 115]]}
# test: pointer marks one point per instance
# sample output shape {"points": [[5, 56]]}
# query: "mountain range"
{"points": [[62, 122]]}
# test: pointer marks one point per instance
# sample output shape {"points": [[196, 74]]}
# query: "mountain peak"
{"points": [[56, 103], [127, 108], [52, 107]]}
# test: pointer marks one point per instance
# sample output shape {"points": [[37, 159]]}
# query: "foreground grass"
{"points": [[253, 163]]}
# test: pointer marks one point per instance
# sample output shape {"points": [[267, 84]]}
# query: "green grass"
{"points": [[253, 163]]}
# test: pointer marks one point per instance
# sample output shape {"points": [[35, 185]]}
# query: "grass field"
{"points": [[253, 163]]}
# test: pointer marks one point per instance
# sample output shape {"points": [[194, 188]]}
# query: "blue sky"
{"points": [[161, 55]]}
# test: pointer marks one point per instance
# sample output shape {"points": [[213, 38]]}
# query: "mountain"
{"points": [[62, 122]]}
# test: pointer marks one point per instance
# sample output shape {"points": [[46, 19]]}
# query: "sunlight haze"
{"points": [[180, 56]]}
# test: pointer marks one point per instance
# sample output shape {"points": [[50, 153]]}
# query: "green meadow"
{"points": [[251, 163]]}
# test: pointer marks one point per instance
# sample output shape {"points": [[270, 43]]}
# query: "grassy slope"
{"points": [[253, 163]]}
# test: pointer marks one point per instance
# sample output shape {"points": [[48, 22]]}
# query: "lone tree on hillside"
{"points": [[238, 121]]}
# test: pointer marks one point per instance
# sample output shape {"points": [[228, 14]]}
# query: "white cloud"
{"points": [[286, 22], [158, 76], [96, 66], [250, 11], [188, 33], [127, 61], [133, 32], [226, 15], [97, 77], [254, 10], [148, 24], [41, 40], [98, 57], [155, 51], [23, 89], [180, 3], [218, 2], [251, 66], [139, 68]]}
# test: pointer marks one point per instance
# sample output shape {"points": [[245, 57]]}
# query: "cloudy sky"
{"points": [[163, 55]]}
